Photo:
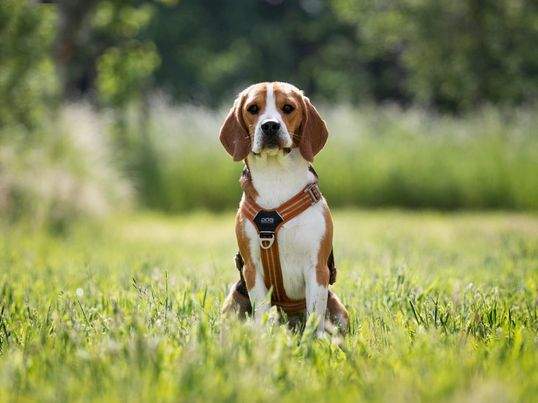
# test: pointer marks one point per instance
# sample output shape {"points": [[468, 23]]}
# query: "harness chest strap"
{"points": [[268, 223]]}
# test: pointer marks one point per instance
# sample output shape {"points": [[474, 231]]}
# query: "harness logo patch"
{"points": [[267, 220]]}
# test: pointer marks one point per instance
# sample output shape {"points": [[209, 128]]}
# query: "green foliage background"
{"points": [[452, 56], [27, 77], [376, 157], [430, 104]]}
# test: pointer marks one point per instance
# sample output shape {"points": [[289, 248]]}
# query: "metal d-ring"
{"points": [[266, 242]]}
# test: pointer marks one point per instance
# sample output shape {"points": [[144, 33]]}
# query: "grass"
{"points": [[443, 306], [81, 166], [375, 156]]}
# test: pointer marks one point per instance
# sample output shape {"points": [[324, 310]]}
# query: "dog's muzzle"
{"points": [[272, 136]]}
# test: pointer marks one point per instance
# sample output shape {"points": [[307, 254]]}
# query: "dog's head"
{"points": [[273, 118]]}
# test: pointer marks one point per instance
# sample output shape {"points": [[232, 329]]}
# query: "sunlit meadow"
{"points": [[443, 308]]}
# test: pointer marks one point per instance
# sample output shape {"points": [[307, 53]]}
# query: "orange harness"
{"points": [[267, 223]]}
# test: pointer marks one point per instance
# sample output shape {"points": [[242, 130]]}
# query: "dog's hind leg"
{"points": [[236, 302], [337, 313]]}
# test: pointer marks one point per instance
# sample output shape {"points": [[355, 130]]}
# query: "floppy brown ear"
{"points": [[313, 132], [233, 133]]}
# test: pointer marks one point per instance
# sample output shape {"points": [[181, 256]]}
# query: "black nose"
{"points": [[270, 128]]}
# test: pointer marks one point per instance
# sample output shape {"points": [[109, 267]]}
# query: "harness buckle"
{"points": [[266, 238], [313, 192]]}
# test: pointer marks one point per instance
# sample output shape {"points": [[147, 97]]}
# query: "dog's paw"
{"points": [[321, 335]]}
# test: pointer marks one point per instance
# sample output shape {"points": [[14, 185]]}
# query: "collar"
{"points": [[246, 181]]}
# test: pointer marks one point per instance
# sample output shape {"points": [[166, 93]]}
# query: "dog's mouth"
{"points": [[272, 142], [273, 145], [273, 151]]}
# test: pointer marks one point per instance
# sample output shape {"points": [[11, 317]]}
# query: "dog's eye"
{"points": [[287, 109], [253, 109]]}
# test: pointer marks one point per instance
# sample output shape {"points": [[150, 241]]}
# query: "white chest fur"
{"points": [[277, 180]]}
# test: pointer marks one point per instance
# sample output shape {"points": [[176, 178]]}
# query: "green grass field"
{"points": [[443, 306]]}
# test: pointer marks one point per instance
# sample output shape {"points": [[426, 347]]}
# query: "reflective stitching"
{"points": [[291, 206], [251, 210], [300, 208], [273, 270], [297, 206], [266, 267]]}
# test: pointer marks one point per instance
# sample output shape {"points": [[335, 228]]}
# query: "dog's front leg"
{"points": [[257, 292], [247, 239], [316, 300]]}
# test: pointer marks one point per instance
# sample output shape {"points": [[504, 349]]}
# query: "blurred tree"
{"points": [[101, 47], [27, 77], [124, 71], [450, 55], [212, 48], [101, 50], [455, 54], [72, 43], [126, 60]]}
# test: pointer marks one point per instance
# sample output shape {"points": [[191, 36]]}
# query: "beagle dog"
{"points": [[283, 227]]}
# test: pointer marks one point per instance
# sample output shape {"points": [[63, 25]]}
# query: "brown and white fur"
{"points": [[279, 160]]}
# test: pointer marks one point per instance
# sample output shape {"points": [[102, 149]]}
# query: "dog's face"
{"points": [[272, 118]]}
